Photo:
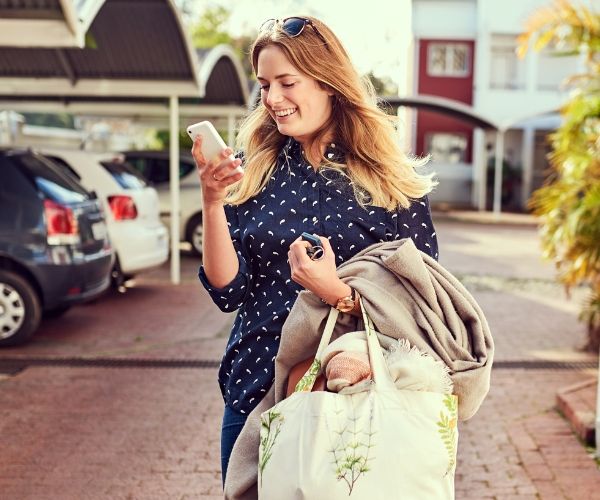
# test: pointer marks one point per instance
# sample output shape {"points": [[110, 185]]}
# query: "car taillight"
{"points": [[122, 207], [61, 223]]}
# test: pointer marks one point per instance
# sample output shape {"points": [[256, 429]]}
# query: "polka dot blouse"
{"points": [[296, 199]]}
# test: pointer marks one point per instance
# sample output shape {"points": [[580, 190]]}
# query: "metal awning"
{"points": [[46, 23], [115, 58]]}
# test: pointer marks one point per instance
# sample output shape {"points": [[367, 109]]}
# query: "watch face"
{"points": [[346, 304]]}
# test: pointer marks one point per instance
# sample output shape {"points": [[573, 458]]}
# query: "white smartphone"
{"points": [[212, 143]]}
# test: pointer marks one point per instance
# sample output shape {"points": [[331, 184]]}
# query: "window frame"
{"points": [[427, 141], [448, 71]]}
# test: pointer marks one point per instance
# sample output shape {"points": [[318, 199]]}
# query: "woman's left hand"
{"points": [[318, 276]]}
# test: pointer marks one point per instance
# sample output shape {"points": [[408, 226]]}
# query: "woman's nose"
{"points": [[274, 96]]}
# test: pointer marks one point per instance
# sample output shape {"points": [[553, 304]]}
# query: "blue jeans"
{"points": [[233, 422]]}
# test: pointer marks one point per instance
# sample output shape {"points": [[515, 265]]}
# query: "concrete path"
{"points": [[135, 432]]}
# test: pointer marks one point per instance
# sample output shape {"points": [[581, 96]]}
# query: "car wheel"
{"points": [[56, 312], [117, 278], [195, 233], [20, 309]]}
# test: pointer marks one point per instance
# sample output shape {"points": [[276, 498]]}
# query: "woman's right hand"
{"points": [[215, 175]]}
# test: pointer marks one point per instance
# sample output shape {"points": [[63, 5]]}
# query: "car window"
{"points": [[64, 166], [160, 171], [127, 176], [185, 167], [142, 165], [47, 177], [156, 170]]}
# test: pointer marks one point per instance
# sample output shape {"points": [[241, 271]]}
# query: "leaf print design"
{"points": [[351, 447], [306, 383], [447, 429], [270, 427]]}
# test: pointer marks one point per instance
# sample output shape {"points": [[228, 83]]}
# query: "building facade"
{"points": [[465, 51]]}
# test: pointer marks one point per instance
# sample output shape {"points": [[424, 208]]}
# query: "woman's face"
{"points": [[294, 100]]}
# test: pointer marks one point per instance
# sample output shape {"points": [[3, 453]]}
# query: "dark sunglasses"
{"points": [[291, 26]]}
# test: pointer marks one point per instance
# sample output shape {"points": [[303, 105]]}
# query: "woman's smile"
{"points": [[284, 114]]}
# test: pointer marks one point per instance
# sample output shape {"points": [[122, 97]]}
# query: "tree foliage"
{"points": [[60, 120], [210, 30], [569, 202]]}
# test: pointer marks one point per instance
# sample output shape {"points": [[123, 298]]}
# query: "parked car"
{"points": [[139, 238], [154, 166], [54, 246]]}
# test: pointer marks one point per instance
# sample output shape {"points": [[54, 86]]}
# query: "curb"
{"points": [[485, 217], [577, 403]]}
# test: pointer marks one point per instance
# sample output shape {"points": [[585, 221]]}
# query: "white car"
{"points": [[154, 166], [140, 240]]}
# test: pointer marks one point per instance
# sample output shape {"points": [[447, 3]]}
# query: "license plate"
{"points": [[99, 230]]}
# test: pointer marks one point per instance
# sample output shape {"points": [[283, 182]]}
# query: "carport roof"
{"points": [[444, 106], [134, 51]]}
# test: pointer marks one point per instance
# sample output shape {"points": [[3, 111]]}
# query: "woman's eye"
{"points": [[287, 85], [264, 87]]}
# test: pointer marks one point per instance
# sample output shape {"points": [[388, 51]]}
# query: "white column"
{"points": [[498, 171], [527, 162], [531, 68], [174, 185], [478, 190]]}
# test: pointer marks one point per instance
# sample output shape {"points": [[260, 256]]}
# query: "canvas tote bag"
{"points": [[382, 443]]}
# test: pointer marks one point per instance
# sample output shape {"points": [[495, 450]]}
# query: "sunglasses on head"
{"points": [[291, 26]]}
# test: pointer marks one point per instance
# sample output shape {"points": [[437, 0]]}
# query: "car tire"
{"points": [[56, 312], [117, 278], [194, 233], [20, 309]]}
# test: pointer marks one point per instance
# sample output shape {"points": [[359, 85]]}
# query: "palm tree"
{"points": [[568, 204]]}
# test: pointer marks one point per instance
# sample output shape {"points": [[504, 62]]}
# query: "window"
{"points": [[65, 167], [448, 59], [507, 71], [446, 147], [126, 176], [156, 169], [50, 180]]}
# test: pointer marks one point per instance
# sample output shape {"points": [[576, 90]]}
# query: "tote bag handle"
{"points": [[381, 374]]}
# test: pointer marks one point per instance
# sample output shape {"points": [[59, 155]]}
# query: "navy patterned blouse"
{"points": [[296, 199]]}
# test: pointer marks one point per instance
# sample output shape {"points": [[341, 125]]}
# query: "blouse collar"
{"points": [[293, 149]]}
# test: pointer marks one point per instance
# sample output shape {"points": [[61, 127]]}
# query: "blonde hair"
{"points": [[381, 174]]}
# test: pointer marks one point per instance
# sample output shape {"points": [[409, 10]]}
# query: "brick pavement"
{"points": [[138, 433]]}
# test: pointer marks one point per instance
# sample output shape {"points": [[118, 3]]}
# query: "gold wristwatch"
{"points": [[346, 304]]}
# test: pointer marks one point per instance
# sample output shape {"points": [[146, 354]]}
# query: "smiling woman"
{"points": [[297, 103], [318, 157]]}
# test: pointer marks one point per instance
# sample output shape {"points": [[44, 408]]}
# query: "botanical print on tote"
{"points": [[447, 429], [351, 445], [270, 427], [305, 384]]}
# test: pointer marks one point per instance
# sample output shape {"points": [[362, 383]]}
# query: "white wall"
{"points": [[541, 75], [508, 16], [454, 19]]}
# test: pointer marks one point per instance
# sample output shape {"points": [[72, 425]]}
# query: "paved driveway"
{"points": [[147, 426]]}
